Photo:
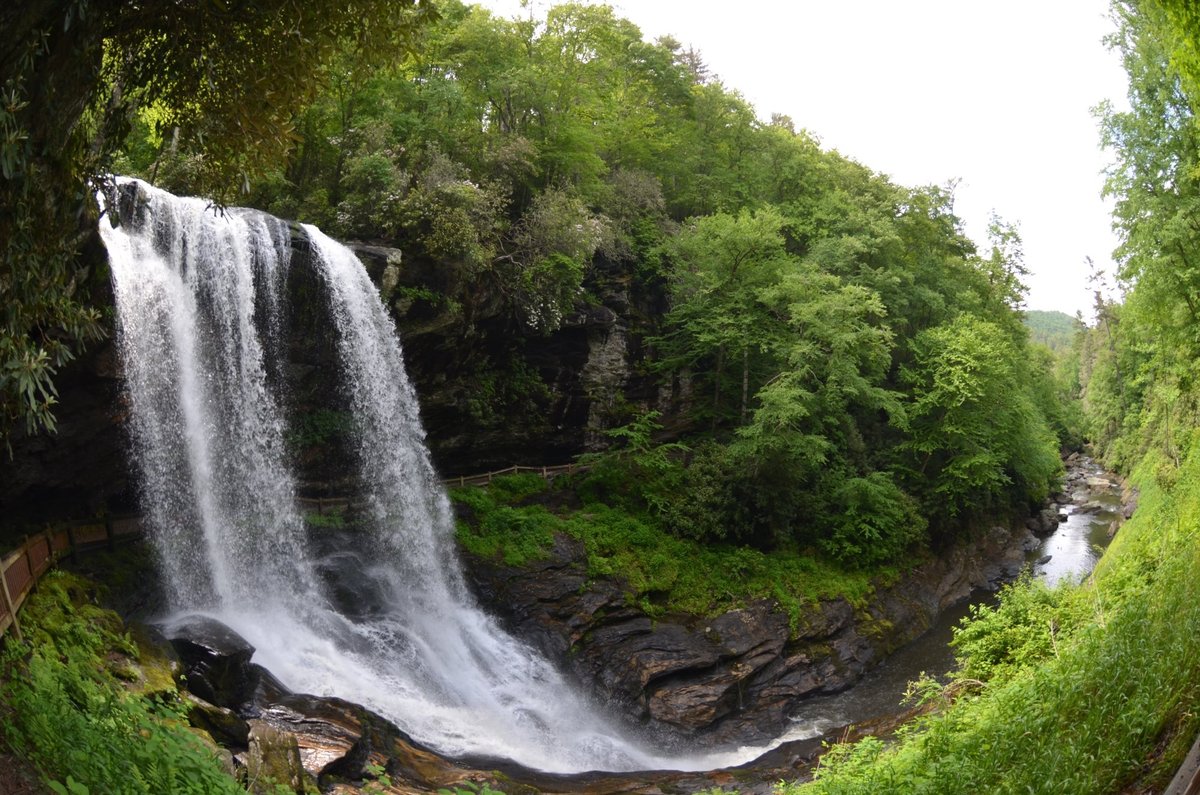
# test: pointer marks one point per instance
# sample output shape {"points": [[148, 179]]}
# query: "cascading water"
{"points": [[198, 296]]}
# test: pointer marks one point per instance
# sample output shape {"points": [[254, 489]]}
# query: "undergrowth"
{"points": [[65, 707], [508, 520], [1083, 689]]}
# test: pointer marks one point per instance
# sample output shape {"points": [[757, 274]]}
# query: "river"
{"points": [[1092, 503]]}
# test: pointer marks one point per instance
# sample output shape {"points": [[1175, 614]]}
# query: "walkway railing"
{"points": [[21, 568], [549, 473], [482, 479]]}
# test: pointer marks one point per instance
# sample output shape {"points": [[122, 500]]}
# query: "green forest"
{"points": [[859, 385], [861, 380]]}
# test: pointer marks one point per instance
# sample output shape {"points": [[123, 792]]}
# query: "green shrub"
{"points": [[874, 521], [516, 535], [66, 711], [513, 489], [1022, 629]]}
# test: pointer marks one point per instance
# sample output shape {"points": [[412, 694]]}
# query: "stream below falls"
{"points": [[1092, 503]]}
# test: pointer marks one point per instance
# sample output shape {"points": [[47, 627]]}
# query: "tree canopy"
{"points": [[226, 76], [825, 343], [837, 345]]}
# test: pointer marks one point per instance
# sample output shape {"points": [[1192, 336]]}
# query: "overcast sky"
{"points": [[997, 95]]}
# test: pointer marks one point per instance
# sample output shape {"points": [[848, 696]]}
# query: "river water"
{"points": [[1073, 550]]}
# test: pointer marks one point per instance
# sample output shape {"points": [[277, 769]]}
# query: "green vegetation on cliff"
{"points": [[515, 519], [1091, 688], [849, 375]]}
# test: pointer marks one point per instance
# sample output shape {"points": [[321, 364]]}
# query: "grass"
{"points": [[325, 521], [1108, 705], [509, 521]]}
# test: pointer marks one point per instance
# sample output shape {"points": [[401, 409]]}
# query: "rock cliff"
{"points": [[492, 393], [736, 677]]}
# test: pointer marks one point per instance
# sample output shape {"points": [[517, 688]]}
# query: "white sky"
{"points": [[994, 94]]}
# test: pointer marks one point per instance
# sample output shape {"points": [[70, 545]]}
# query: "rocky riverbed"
{"points": [[737, 678], [740, 677]]}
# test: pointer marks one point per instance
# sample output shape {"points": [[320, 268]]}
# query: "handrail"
{"points": [[20, 571], [21, 568], [547, 472], [482, 479], [1187, 779]]}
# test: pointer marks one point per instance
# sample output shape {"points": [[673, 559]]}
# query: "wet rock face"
{"points": [[735, 677], [306, 743], [217, 667], [216, 660], [80, 470], [560, 389]]}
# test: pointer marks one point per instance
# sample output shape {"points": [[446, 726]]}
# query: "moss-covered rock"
{"points": [[272, 760], [158, 666]]}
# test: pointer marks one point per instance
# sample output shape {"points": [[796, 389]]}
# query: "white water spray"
{"points": [[198, 297]]}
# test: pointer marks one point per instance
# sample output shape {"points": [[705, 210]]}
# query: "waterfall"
{"points": [[201, 316], [208, 433]]}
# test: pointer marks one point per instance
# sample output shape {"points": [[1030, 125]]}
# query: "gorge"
{"points": [[806, 409], [383, 617]]}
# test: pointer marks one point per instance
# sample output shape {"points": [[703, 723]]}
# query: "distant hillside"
{"points": [[1055, 330]]}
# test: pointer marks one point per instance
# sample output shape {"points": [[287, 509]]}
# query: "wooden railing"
{"points": [[549, 473], [21, 568], [483, 479]]}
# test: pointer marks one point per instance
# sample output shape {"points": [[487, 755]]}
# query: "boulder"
{"points": [[272, 761], [217, 667], [1046, 521], [336, 739], [221, 723], [158, 664]]}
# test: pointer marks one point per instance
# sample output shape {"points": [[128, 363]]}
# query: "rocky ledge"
{"points": [[739, 676], [278, 741], [736, 677]]}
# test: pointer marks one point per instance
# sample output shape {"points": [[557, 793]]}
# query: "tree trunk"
{"points": [[745, 382], [717, 384]]}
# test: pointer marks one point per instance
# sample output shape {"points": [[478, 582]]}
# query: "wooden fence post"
{"points": [[8, 604], [51, 555], [108, 532], [72, 547]]}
